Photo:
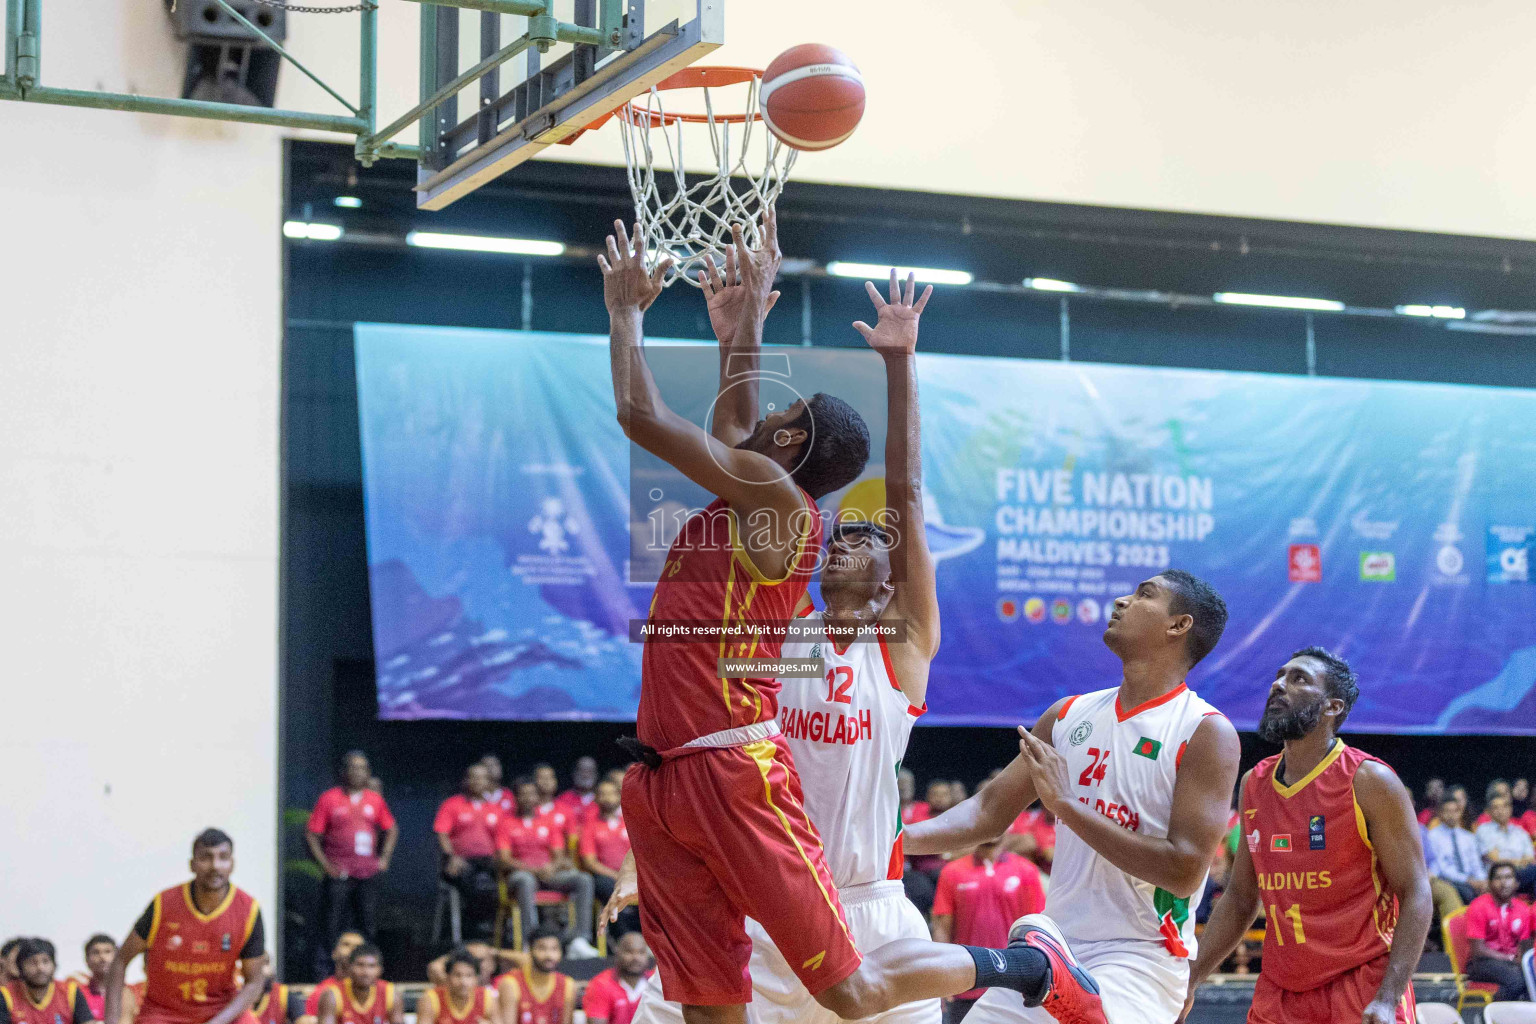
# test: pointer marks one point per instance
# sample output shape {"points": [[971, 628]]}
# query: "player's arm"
{"points": [[747, 480], [426, 1006], [986, 815], [493, 1008], [329, 1004], [136, 943], [506, 1001], [387, 849], [397, 1006], [1393, 833], [735, 412], [569, 1013], [1234, 913], [1201, 802], [916, 601], [253, 969]]}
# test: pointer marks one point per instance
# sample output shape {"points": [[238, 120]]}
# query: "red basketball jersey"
{"points": [[374, 1009], [710, 579], [189, 967], [1327, 910], [559, 993], [57, 1006], [272, 1007], [448, 1013]]}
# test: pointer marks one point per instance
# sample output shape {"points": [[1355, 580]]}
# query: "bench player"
{"points": [[1331, 853], [714, 810], [1139, 777]]}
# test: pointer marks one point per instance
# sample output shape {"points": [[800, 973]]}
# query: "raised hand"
{"points": [[724, 297], [627, 285], [1048, 769], [757, 268], [895, 329]]}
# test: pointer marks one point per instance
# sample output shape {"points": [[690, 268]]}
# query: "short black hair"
{"points": [[460, 955], [860, 528], [1338, 677], [1196, 598], [30, 948], [369, 949], [98, 939], [540, 766], [11, 944], [521, 781], [1495, 784], [1447, 799], [211, 838], [341, 767], [1493, 869], [545, 931], [837, 444]]}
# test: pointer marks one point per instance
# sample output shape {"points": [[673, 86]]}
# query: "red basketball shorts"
{"points": [[721, 835], [1342, 999], [150, 1014]]}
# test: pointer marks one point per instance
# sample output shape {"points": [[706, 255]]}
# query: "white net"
{"points": [[685, 219]]}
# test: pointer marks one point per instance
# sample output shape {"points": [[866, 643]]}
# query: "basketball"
{"points": [[812, 96]]}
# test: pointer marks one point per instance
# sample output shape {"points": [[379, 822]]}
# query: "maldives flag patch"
{"points": [[1148, 748], [1281, 842]]}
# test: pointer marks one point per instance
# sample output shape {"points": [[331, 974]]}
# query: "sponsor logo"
{"points": [[224, 942], [1007, 609], [1378, 566], [1306, 526], [1081, 733], [1509, 553], [1088, 611], [1148, 748], [1372, 529], [174, 943], [1317, 836], [1034, 609], [1450, 561], [1253, 841], [1306, 563], [1280, 843], [814, 963], [997, 960], [1011, 884], [1061, 611]]}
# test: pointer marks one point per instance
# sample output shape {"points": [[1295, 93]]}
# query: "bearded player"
{"points": [[715, 809], [1140, 779], [1331, 855]]}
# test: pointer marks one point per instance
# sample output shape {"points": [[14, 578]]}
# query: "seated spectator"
{"points": [[533, 849], [462, 998], [99, 951], [612, 996], [604, 841], [938, 798], [34, 997], [497, 794], [616, 776], [978, 899], [1455, 863], [1033, 835], [912, 809], [577, 802], [466, 831], [1458, 793], [352, 837], [341, 956], [486, 955], [1502, 841], [272, 1007], [1520, 797], [957, 792], [1498, 927], [1496, 789], [364, 997], [548, 784], [1434, 792], [538, 993], [8, 960]]}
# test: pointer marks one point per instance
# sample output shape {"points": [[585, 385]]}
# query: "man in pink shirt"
{"points": [[466, 833], [352, 837], [1033, 835], [978, 899], [604, 841], [1499, 931], [532, 847], [611, 997], [578, 802]]}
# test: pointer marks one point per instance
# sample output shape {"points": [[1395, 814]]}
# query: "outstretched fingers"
{"points": [[923, 301], [895, 288], [906, 295], [863, 328], [620, 233], [711, 283], [874, 294]]}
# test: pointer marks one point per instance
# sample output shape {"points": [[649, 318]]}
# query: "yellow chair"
{"points": [[1453, 931]]}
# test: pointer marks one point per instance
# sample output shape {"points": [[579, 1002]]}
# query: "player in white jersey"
{"points": [[847, 727], [1140, 779]]}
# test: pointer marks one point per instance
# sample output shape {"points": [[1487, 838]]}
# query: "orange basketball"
{"points": [[812, 96]]}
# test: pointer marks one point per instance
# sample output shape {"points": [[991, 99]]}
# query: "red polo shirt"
{"points": [[985, 899], [349, 825], [1034, 822], [470, 826], [608, 998], [917, 810], [553, 815], [533, 840], [606, 839], [575, 805], [1503, 928]]}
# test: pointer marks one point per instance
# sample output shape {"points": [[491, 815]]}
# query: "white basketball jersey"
{"points": [[847, 732], [1123, 764]]}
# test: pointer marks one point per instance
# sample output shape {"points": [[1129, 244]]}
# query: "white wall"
{"points": [[139, 341], [1384, 113]]}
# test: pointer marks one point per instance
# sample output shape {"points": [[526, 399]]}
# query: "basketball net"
{"points": [[689, 217]]}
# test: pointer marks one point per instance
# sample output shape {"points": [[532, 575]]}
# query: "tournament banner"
{"points": [[511, 525]]}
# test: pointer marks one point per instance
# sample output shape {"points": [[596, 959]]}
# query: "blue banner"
{"points": [[1394, 523]]}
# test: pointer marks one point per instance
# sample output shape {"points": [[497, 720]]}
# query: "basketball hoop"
{"points": [[691, 221]]}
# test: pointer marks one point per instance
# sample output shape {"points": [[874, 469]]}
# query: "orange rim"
{"points": [[716, 77]]}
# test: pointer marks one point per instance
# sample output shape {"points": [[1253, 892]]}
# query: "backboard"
{"points": [[570, 64]]}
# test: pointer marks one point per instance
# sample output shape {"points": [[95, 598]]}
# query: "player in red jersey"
{"points": [[538, 993], [714, 810], [1330, 853], [364, 998], [612, 996], [193, 936], [346, 942], [99, 951], [272, 1007], [464, 999], [35, 997]]}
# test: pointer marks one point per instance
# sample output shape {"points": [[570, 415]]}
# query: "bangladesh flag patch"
{"points": [[1148, 748]]}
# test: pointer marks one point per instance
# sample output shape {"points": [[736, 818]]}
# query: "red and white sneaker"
{"points": [[1071, 994]]}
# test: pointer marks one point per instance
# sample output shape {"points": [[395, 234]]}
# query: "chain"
{"points": [[282, 6]]}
